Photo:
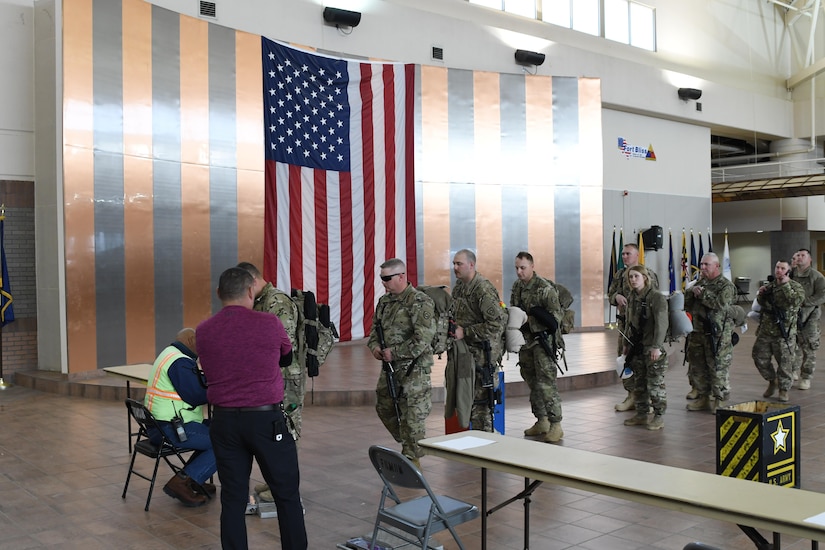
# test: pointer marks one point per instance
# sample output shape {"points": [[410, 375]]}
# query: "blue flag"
{"points": [[612, 260], [694, 267], [670, 271], [6, 311], [701, 249]]}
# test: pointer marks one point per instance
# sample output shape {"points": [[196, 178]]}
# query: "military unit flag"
{"points": [[613, 269], [6, 309], [671, 273]]}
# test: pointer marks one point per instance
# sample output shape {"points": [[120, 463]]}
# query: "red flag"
{"points": [[340, 195]]}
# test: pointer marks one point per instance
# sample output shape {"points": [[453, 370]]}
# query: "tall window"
{"points": [[625, 21]]}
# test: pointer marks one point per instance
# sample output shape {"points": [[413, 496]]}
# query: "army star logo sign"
{"points": [[779, 437]]}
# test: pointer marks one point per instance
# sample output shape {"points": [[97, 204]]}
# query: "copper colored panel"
{"points": [[138, 258], [79, 227], [194, 91], [197, 283], [434, 160], [437, 258], [538, 91], [488, 165], [590, 196], [137, 79], [77, 73], [251, 217], [249, 117], [488, 233]]}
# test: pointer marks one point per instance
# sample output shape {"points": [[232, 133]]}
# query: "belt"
{"points": [[261, 408]]}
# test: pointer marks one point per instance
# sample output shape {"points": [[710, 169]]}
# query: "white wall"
{"points": [[17, 91]]}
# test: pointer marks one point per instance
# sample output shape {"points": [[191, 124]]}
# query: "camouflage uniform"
{"points": [[621, 285], [408, 320], [537, 368], [809, 333], [778, 302], [647, 322], [710, 359], [278, 302], [479, 311]]}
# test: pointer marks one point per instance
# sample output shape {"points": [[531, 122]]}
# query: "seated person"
{"points": [[176, 387]]}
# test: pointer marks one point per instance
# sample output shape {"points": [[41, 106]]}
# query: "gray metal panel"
{"points": [[513, 118], [109, 284], [167, 176], [514, 233], [223, 179], [462, 220], [460, 122], [567, 204]]}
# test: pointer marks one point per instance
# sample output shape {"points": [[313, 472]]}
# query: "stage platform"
{"points": [[350, 373]]}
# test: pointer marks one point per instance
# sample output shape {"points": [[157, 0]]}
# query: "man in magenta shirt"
{"points": [[241, 352]]}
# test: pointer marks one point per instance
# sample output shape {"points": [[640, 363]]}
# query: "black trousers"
{"points": [[237, 437]]}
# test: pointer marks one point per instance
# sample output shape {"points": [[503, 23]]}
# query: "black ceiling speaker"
{"points": [[689, 93], [526, 57], [337, 16]]}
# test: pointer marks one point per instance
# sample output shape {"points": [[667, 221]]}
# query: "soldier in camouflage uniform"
{"points": [[710, 349], [647, 322], [272, 300], [618, 294], [479, 315], [533, 293], [407, 317], [809, 331], [780, 300]]}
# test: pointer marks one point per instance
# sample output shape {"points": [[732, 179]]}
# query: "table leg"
{"points": [[129, 416], [484, 509]]}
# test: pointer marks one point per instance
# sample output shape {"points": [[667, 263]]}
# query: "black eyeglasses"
{"points": [[388, 278]]}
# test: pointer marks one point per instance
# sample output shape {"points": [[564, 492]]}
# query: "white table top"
{"points": [[135, 373], [739, 501]]}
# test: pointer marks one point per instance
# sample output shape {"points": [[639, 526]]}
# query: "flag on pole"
{"points": [[619, 260], [684, 261], [6, 309], [339, 182], [694, 267], [641, 249], [710, 242], [701, 249], [726, 271], [670, 271], [613, 264]]}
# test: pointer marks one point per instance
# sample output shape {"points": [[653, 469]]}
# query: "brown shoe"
{"points": [[178, 487], [208, 488]]}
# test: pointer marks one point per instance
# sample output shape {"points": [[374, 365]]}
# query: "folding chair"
{"points": [[421, 516], [144, 446]]}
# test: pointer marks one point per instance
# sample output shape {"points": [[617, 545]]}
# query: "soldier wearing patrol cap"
{"points": [[406, 317]]}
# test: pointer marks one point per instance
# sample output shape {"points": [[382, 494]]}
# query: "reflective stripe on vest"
{"points": [[154, 405]]}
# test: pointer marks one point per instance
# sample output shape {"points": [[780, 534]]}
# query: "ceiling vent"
{"points": [[207, 9], [437, 53]]}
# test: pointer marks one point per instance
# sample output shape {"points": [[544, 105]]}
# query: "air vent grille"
{"points": [[438, 53], [208, 9]]}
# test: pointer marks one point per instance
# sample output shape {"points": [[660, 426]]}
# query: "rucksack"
{"points": [[443, 309], [316, 333], [568, 319]]}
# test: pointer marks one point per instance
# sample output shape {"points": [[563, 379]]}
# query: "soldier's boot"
{"points": [[657, 423], [693, 394], [266, 496], [417, 462], [713, 404], [627, 404], [554, 434], [701, 404], [771, 389], [542, 426], [639, 419], [795, 374], [804, 384], [783, 396], [261, 487]]}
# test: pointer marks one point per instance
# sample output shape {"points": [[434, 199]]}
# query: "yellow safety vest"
{"points": [[161, 398]]}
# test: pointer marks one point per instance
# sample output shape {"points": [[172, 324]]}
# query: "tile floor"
{"points": [[63, 462]]}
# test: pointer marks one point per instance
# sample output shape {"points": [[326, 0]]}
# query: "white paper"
{"points": [[466, 442], [818, 519]]}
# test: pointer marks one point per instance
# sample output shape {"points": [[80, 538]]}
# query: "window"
{"points": [[625, 21]]}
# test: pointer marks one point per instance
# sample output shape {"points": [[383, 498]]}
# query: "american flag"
{"points": [[340, 195]]}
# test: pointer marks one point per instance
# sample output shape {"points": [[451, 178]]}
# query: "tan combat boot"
{"points": [[657, 423], [640, 419], [701, 404], [804, 384], [542, 426], [554, 434], [693, 394], [771, 389], [626, 405], [783, 396]]}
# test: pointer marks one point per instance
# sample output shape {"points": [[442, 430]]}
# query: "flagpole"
{"points": [[3, 384]]}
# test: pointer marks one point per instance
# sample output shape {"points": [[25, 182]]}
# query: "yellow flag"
{"points": [[641, 249]]}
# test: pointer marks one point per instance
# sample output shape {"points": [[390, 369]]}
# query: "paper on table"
{"points": [[466, 442], [818, 519]]}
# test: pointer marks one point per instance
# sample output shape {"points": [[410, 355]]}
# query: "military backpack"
{"points": [[443, 310], [316, 333], [568, 319]]}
